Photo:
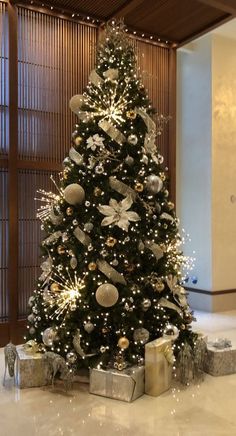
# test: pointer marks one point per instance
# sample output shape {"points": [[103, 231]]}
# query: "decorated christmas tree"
{"points": [[112, 263]]}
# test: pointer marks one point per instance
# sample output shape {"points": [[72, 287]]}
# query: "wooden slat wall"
{"points": [[55, 57], [4, 302], [4, 140]]}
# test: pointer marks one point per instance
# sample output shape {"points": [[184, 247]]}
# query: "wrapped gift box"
{"points": [[158, 370], [31, 370], [219, 361], [126, 385]]}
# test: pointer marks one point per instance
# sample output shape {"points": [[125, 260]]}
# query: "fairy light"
{"points": [[49, 200]]}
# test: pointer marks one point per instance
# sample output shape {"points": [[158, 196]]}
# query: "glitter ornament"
{"points": [[97, 192], [107, 295], [131, 114], [92, 266], [110, 242], [138, 187], [154, 184], [71, 357], [49, 336], [31, 318], [123, 343], [132, 139], [54, 287], [170, 332], [141, 335], [88, 227], [69, 211], [60, 249], [146, 304], [74, 194], [129, 160], [88, 327], [159, 286]]}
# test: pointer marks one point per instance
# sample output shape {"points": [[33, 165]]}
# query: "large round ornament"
{"points": [[54, 287], [49, 335], [71, 357], [132, 139], [154, 184], [107, 295], [74, 194], [170, 332], [123, 343], [141, 335]]}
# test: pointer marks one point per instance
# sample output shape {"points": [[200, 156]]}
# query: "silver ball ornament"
{"points": [[31, 318], [129, 160], [71, 357], [32, 330], [146, 304], [88, 227], [154, 184], [170, 332], [132, 139], [141, 335], [49, 336], [107, 295], [74, 194]]}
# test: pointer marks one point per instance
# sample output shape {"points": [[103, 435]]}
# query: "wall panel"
{"points": [[4, 306], [55, 57], [4, 138]]}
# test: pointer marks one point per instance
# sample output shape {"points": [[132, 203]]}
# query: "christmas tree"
{"points": [[111, 269]]}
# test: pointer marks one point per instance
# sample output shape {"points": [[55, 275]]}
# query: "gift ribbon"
{"points": [[82, 236], [110, 272], [122, 188]]}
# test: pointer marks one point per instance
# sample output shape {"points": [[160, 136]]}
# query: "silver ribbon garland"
{"points": [[112, 131], [75, 156], [110, 272], [82, 236], [166, 303], [155, 249], [52, 238], [122, 188]]}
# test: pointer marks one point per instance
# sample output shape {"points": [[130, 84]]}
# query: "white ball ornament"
{"points": [[75, 103], [154, 184], [107, 295], [49, 336], [74, 194]]}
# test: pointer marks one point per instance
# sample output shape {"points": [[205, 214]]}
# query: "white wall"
{"points": [[194, 155], [206, 164]]}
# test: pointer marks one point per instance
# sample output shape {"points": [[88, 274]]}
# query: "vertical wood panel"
{"points": [[4, 64], [4, 296]]}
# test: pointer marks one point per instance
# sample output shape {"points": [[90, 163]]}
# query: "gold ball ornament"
{"points": [[74, 194], [69, 211], [171, 205], [123, 343], [110, 242], [54, 287], [159, 286], [92, 266], [61, 249], [138, 187], [97, 192], [107, 295], [131, 114], [78, 140], [162, 176]]}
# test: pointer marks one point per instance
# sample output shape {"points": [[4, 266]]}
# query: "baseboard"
{"points": [[217, 301]]}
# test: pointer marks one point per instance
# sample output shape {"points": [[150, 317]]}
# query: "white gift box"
{"points": [[158, 371], [126, 385]]}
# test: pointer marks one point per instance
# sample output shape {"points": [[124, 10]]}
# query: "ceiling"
{"points": [[175, 21]]}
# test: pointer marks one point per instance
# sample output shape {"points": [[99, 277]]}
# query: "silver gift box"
{"points": [[31, 370], [126, 385]]}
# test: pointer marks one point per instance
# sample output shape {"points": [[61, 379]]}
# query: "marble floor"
{"points": [[206, 409]]}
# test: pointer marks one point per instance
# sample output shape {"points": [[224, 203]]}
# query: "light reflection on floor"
{"points": [[206, 409]]}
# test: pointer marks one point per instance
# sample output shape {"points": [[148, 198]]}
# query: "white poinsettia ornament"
{"points": [[95, 141], [117, 213]]}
